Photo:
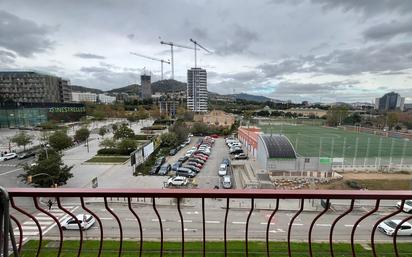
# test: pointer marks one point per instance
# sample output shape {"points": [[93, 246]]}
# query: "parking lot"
{"points": [[208, 176]]}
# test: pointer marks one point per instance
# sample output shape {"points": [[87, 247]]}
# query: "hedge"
{"points": [[113, 151], [155, 127]]}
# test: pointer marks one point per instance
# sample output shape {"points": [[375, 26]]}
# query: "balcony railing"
{"points": [[129, 201]]}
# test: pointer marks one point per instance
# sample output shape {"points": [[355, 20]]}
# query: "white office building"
{"points": [[197, 90], [84, 97], [106, 99]]}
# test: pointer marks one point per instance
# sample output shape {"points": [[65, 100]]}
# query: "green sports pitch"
{"points": [[355, 148]]}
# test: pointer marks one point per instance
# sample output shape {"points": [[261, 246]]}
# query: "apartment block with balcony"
{"points": [[197, 95]]}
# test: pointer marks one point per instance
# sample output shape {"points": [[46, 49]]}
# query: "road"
{"points": [[214, 219]]}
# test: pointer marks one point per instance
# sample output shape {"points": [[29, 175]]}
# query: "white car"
{"points": [[85, 220], [222, 169], [8, 156], [388, 227], [407, 207], [189, 153], [177, 181], [227, 182]]}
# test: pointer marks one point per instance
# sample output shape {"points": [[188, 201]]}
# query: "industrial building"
{"points": [[197, 95], [145, 81], [33, 87], [390, 102]]}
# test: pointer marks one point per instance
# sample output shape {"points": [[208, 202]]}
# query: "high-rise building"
{"points": [[33, 87], [146, 86], [390, 102], [197, 90]]}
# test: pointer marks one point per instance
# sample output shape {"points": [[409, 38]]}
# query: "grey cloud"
{"points": [[290, 88], [238, 41], [131, 36], [6, 57], [94, 69], [283, 67], [22, 36], [104, 78], [89, 56], [388, 30]]}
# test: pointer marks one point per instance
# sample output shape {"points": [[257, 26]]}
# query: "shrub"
{"points": [[353, 184], [114, 151], [142, 137], [155, 127]]}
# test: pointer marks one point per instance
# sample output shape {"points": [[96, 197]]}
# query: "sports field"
{"points": [[355, 148]]}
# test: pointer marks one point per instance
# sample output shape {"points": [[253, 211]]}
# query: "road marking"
{"points": [[32, 227], [323, 225], [296, 224], [194, 213], [40, 222], [60, 220], [185, 221], [351, 225], [239, 222], [212, 221], [106, 218], [44, 218], [11, 171], [157, 220], [190, 229], [26, 233], [265, 223]]}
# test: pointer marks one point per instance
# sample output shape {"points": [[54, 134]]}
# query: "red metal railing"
{"points": [[18, 213]]}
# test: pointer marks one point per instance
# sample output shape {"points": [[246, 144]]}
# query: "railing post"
{"points": [[5, 225]]}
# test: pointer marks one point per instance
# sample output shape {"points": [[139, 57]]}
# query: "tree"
{"points": [[181, 131], [48, 170], [22, 139], [199, 128], [127, 145], [123, 132], [99, 115], [336, 115], [59, 140], [168, 139], [102, 131], [108, 143], [82, 135], [115, 127], [392, 119]]}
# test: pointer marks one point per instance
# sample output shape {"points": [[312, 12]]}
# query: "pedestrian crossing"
{"points": [[8, 165], [29, 227]]}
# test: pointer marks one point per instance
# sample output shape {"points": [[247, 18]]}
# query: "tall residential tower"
{"points": [[146, 86], [197, 90]]}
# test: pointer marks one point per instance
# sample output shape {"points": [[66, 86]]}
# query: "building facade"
{"points": [[79, 97], [168, 107], [390, 102], [145, 80], [249, 138], [197, 96], [106, 99], [33, 87]]}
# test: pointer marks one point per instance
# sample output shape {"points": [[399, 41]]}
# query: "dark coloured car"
{"points": [[183, 159], [185, 172], [160, 160], [226, 161], [164, 169], [172, 152], [154, 170], [194, 168], [26, 155], [176, 166], [197, 160]]}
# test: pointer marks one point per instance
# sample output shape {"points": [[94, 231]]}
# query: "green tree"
{"points": [[48, 170], [22, 139], [181, 131], [127, 145], [82, 135], [59, 140], [108, 143], [336, 115], [123, 132], [99, 115], [392, 118], [199, 128], [168, 139], [102, 131]]}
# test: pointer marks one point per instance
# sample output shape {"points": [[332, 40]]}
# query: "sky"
{"points": [[314, 50]]}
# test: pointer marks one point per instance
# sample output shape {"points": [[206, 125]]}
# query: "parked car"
{"points": [[388, 227], [222, 170], [176, 165], [177, 181], [164, 169], [214, 136], [85, 221], [201, 157], [160, 160], [241, 156], [154, 169], [178, 148], [192, 167], [196, 164], [407, 207], [199, 153], [227, 182], [8, 156], [198, 160], [183, 159], [173, 152], [185, 172], [226, 161], [26, 155], [190, 153], [236, 151]]}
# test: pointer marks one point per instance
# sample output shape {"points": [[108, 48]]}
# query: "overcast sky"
{"points": [[316, 50]]}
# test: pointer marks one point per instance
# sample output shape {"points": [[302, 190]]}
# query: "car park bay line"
{"points": [[11, 171]]}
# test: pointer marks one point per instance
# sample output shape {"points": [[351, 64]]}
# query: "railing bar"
{"points": [[396, 231], [78, 224], [160, 224], [140, 225], [118, 222], [313, 223], [352, 236], [247, 226], [100, 224], [13, 240], [332, 254], [20, 232], [302, 202], [377, 223], [268, 227], [36, 205], [204, 226], [182, 225], [35, 221], [225, 226]]}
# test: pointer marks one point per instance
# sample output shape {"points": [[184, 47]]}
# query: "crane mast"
{"points": [[171, 44]]}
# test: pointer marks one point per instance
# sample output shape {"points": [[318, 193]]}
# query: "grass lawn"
{"points": [[336, 142], [109, 159], [235, 248]]}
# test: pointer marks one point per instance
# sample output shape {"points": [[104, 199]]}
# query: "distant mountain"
{"points": [[85, 89], [168, 85], [130, 89], [248, 97]]}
